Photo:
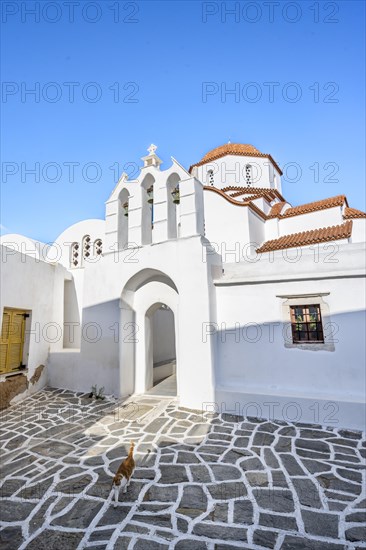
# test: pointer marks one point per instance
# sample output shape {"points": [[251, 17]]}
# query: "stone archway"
{"points": [[141, 296]]}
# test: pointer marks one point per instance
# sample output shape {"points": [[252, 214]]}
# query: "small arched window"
{"points": [[98, 247], [86, 247], [74, 257], [210, 177], [248, 175]]}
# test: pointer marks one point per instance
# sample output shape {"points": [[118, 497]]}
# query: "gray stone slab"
{"points": [[270, 459], [321, 524], [227, 490], [263, 439], [190, 544], [219, 513], [8, 468], [53, 449], [225, 472], [185, 457], [274, 499], [235, 454], [136, 528], [283, 445], [80, 515], [307, 492], [352, 434], [243, 512], [74, 485], [356, 517], [214, 531], [267, 539], [161, 520], [250, 464], [356, 534], [11, 538], [144, 473], [269, 427], [285, 523], [149, 544], [315, 466], [156, 493], [122, 543], [173, 474], [40, 517], [292, 466], [330, 481], [61, 540], [241, 442], [132, 493], [11, 486], [352, 475], [193, 502], [257, 479], [101, 535], [200, 473], [291, 542], [287, 430], [279, 479], [15, 510], [114, 516], [182, 525]]}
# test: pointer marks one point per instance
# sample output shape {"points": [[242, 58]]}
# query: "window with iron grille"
{"points": [[306, 324], [248, 174]]}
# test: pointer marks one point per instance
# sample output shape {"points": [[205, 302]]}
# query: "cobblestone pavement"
{"points": [[201, 482]]}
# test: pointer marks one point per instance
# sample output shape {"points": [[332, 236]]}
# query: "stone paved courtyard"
{"points": [[201, 482]]}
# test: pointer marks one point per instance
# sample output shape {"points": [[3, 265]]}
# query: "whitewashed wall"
{"points": [[312, 220], [29, 283], [253, 364], [230, 170]]}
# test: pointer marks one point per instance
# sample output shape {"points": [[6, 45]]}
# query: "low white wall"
{"points": [[69, 369], [163, 371]]}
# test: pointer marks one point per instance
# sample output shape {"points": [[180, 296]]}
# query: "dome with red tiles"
{"points": [[231, 149], [239, 149]]}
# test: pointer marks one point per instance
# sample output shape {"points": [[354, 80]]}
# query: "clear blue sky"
{"points": [[168, 50]]}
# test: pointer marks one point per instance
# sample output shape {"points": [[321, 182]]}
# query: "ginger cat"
{"points": [[124, 474]]}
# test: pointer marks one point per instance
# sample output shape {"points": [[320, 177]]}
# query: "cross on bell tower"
{"points": [[152, 158]]}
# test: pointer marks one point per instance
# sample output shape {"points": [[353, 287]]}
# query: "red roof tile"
{"points": [[306, 238], [276, 209], [350, 213], [236, 191], [331, 202], [240, 149]]}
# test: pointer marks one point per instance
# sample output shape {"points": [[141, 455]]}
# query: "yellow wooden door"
{"points": [[12, 340]]}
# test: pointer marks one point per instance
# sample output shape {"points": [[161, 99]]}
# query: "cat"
{"points": [[124, 474]]}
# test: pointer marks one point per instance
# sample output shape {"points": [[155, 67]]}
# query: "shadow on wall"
{"points": [[260, 372], [71, 329], [97, 360]]}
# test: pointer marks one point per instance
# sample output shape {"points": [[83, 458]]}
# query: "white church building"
{"points": [[205, 283]]}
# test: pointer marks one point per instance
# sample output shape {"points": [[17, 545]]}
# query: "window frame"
{"points": [[300, 300], [306, 322]]}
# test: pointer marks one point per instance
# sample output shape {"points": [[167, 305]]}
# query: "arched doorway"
{"points": [[163, 380], [147, 297]]}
